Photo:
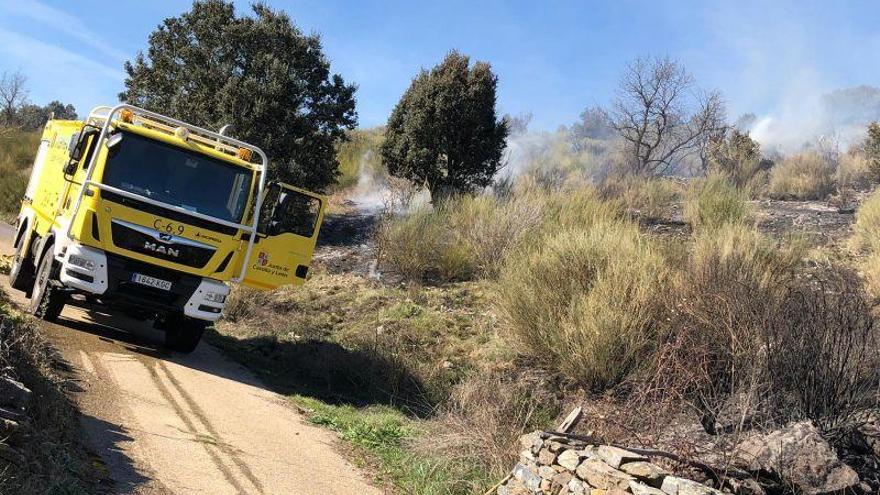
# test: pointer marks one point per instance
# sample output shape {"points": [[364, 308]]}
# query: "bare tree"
{"points": [[661, 115], [13, 95]]}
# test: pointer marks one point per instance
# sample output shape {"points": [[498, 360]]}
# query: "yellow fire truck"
{"points": [[144, 214]]}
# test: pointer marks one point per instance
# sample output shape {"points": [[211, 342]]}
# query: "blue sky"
{"points": [[553, 58]]}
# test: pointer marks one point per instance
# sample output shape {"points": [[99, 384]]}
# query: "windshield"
{"points": [[177, 176]]}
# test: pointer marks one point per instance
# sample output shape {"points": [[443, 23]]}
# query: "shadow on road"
{"points": [[330, 372], [107, 439], [313, 368]]}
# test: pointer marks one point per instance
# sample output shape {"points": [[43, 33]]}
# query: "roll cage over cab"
{"points": [[154, 217]]}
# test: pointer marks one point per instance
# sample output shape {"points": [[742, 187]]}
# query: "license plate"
{"points": [[150, 281]]}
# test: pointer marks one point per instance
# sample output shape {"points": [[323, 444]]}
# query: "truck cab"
{"points": [[141, 213]]}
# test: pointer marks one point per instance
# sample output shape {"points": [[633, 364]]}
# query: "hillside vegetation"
{"points": [[17, 151]]}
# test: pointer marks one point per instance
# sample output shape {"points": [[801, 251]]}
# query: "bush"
{"points": [[583, 300], [751, 341], [854, 172], [471, 236], [866, 240], [738, 158], [489, 229], [714, 202], [417, 246], [802, 177], [648, 197]]}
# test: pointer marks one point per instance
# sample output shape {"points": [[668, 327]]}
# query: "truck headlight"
{"points": [[84, 263], [215, 297]]}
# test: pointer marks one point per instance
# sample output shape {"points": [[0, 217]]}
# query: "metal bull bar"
{"points": [[162, 119]]}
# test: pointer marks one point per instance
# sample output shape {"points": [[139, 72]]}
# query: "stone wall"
{"points": [[557, 465]]}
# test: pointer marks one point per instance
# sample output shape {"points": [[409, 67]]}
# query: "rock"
{"points": [[10, 431], [638, 488], [673, 485], [527, 477], [13, 394], [614, 456], [576, 486], [527, 456], [546, 472], [569, 459], [613, 491], [546, 457], [747, 486], [799, 456], [562, 479], [530, 439], [645, 471], [600, 475], [544, 487]]}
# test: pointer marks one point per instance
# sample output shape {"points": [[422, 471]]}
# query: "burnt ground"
{"points": [[344, 244], [344, 241], [819, 223]]}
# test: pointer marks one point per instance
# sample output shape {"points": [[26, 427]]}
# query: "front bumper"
{"points": [[112, 279]]}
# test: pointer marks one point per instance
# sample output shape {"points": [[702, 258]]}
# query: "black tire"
{"points": [[21, 273], [47, 299], [182, 334]]}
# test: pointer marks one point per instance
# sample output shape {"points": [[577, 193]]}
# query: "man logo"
{"points": [[169, 251], [165, 237]]}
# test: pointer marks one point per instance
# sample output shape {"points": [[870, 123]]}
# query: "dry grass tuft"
{"points": [[713, 202], [583, 301], [804, 176]]}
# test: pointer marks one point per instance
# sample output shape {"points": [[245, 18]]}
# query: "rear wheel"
{"points": [[182, 334], [47, 299], [21, 273]]}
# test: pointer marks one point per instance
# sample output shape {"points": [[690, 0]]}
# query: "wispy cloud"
{"points": [[55, 73], [62, 22]]}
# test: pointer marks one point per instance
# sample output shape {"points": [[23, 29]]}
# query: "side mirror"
{"points": [[114, 140], [75, 148]]}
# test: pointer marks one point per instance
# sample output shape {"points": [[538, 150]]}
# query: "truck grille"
{"points": [[150, 242]]}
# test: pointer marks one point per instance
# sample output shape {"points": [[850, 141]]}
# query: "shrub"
{"points": [[735, 284], [803, 176], [648, 197], [866, 240], [501, 406], [854, 172], [738, 158], [583, 300], [488, 229], [417, 246], [471, 236], [714, 202]]}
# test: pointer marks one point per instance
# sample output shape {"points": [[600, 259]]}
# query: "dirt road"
{"points": [[166, 423]]}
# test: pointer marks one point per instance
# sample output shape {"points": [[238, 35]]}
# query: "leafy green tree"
{"points": [[259, 73], [444, 132]]}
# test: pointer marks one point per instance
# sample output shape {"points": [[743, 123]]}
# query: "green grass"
{"points": [[380, 437]]}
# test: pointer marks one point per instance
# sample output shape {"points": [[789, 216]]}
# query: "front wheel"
{"points": [[21, 273], [47, 299], [182, 334]]}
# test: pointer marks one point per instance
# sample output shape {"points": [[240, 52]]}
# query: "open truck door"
{"points": [[289, 223]]}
